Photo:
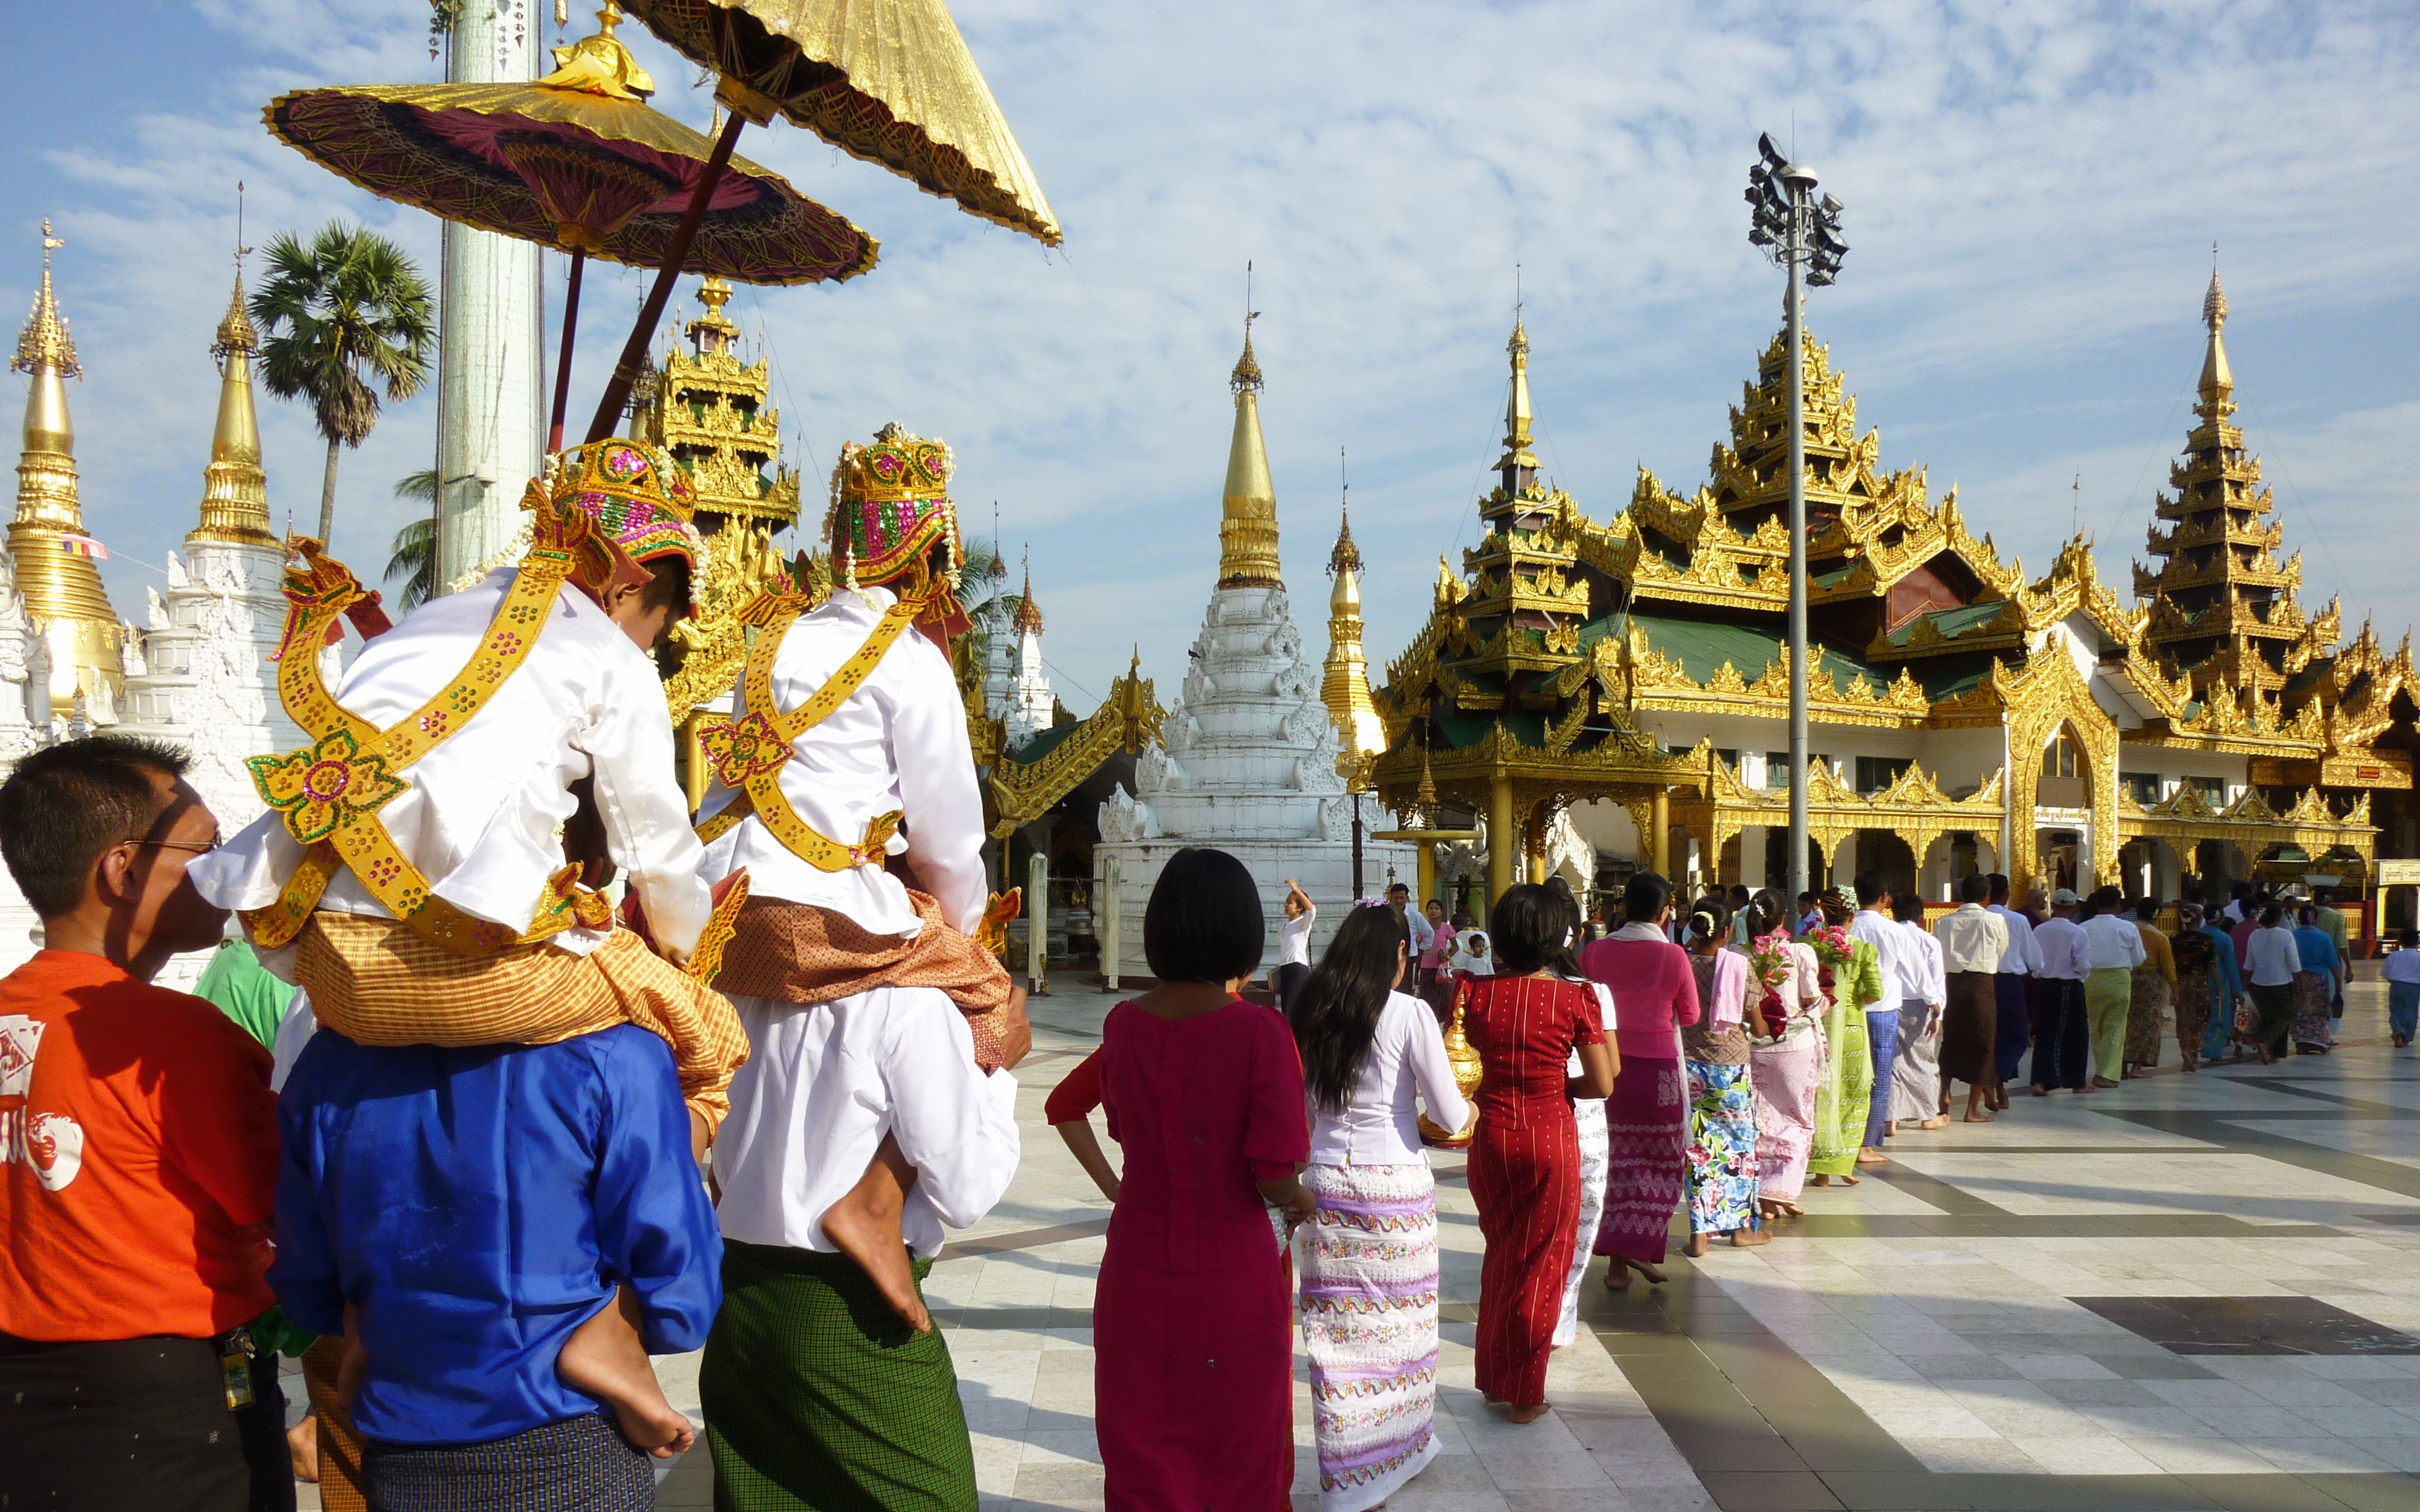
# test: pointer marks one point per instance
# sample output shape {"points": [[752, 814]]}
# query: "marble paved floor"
{"points": [[1915, 1342]]}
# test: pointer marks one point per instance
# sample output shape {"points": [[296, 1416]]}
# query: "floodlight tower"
{"points": [[1801, 235]]}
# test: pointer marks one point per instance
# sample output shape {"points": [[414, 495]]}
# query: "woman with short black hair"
{"points": [[1524, 1022], [1371, 1053], [1647, 1123], [1206, 1093]]}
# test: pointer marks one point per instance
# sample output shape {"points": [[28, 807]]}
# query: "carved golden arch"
{"points": [[2048, 694]]}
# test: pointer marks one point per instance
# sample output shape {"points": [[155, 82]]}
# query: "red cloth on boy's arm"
{"points": [[1077, 1093]]}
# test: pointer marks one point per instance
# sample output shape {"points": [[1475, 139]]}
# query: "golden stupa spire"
{"points": [[235, 491], [1519, 463], [2217, 379], [712, 332], [1028, 618], [57, 580], [1248, 525], [1344, 677]]}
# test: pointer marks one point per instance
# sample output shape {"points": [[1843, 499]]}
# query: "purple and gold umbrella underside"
{"points": [[570, 170]]}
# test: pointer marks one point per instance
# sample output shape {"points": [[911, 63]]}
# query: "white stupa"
{"points": [[1248, 758]]}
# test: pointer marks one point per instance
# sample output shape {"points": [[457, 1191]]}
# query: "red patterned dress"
{"points": [[1525, 1170]]}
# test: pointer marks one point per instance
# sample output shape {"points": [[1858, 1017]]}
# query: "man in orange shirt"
{"points": [[138, 1160]]}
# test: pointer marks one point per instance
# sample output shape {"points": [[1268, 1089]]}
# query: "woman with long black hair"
{"points": [[1369, 1258]]}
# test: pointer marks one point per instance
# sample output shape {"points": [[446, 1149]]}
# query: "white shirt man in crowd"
{"points": [[1974, 942], [1915, 1075], [2062, 1029], [2020, 959], [2113, 949], [1874, 925]]}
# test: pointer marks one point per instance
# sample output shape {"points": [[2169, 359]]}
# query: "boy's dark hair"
{"points": [[667, 585], [1869, 887], [1529, 925], [2148, 910], [1999, 886], [1203, 922], [1977, 888], [1645, 897], [1907, 907], [66, 804]]}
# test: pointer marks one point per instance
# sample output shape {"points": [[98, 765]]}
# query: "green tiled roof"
{"points": [[1951, 623], [1702, 647], [1940, 683], [1042, 743]]}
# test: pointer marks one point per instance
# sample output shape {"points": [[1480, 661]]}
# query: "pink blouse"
{"points": [[1655, 991]]}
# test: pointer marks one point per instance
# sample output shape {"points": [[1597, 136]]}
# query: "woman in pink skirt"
{"points": [[1647, 1118], [1786, 1060]]}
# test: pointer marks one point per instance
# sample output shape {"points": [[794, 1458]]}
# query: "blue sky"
{"points": [[2032, 195]]}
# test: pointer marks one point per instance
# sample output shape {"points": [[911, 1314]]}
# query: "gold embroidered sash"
{"points": [[749, 755], [330, 792]]}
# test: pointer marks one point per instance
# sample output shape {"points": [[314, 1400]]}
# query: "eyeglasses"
{"points": [[199, 848]]}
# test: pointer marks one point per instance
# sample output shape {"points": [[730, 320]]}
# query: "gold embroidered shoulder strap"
{"points": [[330, 792], [749, 755]]}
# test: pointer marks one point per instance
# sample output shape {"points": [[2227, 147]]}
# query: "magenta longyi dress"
{"points": [[1193, 1326]]}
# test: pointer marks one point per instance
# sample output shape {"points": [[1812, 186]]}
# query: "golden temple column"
{"points": [[1659, 845], [1504, 837], [1426, 852]]}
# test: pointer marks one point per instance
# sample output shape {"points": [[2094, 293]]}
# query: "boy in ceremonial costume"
{"points": [[875, 1109], [409, 872]]}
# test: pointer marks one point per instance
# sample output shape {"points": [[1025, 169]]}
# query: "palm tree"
{"points": [[346, 302], [412, 554]]}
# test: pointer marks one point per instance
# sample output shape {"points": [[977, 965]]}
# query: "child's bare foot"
{"points": [[865, 1226], [1749, 1238], [1529, 1414], [302, 1450], [1697, 1249], [605, 1358]]}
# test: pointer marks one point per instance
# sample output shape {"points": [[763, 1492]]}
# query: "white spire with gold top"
{"points": [[1247, 760], [64, 599], [206, 681], [1031, 705]]}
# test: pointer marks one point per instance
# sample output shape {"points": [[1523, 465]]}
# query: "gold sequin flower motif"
{"points": [[326, 786]]}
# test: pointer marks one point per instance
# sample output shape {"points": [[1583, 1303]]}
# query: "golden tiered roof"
{"points": [[62, 589], [235, 489], [712, 412], [1027, 619], [2222, 606]]}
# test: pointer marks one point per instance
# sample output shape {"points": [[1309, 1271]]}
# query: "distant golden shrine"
{"points": [[1631, 677], [712, 413]]}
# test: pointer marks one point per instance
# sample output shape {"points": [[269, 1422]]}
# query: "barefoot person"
{"points": [[1721, 1167], [1894, 971], [1852, 975], [1916, 1075], [1525, 1178], [1974, 940], [411, 872], [852, 732], [1646, 1119], [1786, 1054]]}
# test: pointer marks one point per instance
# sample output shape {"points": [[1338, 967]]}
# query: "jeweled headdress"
{"points": [[638, 504], [890, 507]]}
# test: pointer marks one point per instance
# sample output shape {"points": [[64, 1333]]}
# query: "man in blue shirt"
{"points": [[469, 1209]]}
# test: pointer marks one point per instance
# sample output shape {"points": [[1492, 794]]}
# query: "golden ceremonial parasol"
{"points": [[578, 162], [888, 81]]}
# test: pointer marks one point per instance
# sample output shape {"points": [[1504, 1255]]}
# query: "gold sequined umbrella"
{"points": [[578, 162], [889, 81]]}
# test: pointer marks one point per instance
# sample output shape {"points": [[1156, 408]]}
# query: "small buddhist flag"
{"points": [[83, 545]]}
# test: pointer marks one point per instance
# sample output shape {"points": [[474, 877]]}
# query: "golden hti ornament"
{"points": [[1468, 1071]]}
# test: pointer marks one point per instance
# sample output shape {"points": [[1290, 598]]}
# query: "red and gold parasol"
{"points": [[576, 160]]}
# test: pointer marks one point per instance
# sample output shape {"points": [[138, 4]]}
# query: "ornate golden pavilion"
{"points": [[1965, 715], [712, 411]]}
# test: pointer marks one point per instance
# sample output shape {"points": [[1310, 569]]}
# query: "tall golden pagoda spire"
{"points": [[713, 412], [235, 491], [62, 588], [1248, 525], [1345, 678], [2222, 608], [1028, 618]]}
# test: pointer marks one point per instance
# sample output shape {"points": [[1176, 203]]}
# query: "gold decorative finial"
{"points": [[713, 331], [1028, 618], [1247, 524], [2217, 379], [1517, 416], [45, 342], [1344, 677], [235, 491], [1347, 558], [600, 64]]}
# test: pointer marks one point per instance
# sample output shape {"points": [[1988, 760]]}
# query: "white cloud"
{"points": [[2031, 193]]}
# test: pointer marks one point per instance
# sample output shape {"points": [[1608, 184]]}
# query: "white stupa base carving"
{"points": [[1248, 767]]}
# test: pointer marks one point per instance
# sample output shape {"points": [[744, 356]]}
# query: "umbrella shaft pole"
{"points": [[563, 358], [634, 351]]}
